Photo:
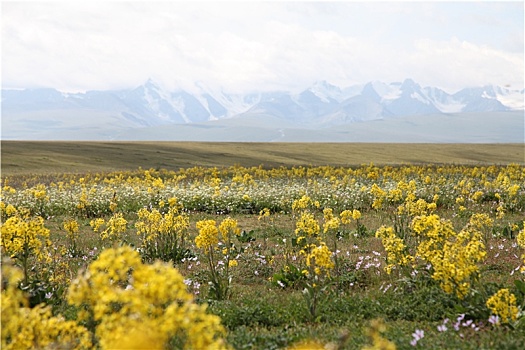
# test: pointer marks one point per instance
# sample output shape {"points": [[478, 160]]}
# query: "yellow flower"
{"points": [[346, 216], [303, 203], [395, 248], [115, 227], [307, 225], [96, 224], [208, 234], [232, 263], [228, 226], [134, 303], [521, 237], [379, 196], [24, 235], [39, 192], [320, 257], [10, 210], [264, 213], [328, 214], [503, 304], [71, 227], [332, 224], [500, 211], [453, 256], [32, 328], [172, 201], [477, 196]]}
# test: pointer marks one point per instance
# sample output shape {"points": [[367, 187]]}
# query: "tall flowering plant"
{"points": [[220, 253], [111, 230], [452, 256], [317, 256], [163, 235], [24, 238]]}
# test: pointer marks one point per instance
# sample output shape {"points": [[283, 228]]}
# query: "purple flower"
{"points": [[493, 319], [418, 335], [442, 328]]}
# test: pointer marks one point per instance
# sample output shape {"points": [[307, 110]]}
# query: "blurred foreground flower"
{"points": [[138, 305]]}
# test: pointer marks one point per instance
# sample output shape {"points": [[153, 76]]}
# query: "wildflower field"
{"points": [[406, 256]]}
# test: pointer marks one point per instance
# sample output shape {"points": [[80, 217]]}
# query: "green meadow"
{"points": [[291, 245]]}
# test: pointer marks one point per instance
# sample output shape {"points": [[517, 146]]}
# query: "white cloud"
{"points": [[258, 45], [455, 63]]}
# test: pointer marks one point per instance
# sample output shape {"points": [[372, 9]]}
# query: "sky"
{"points": [[247, 46]]}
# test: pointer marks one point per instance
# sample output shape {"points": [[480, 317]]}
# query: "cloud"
{"points": [[257, 45], [458, 63]]}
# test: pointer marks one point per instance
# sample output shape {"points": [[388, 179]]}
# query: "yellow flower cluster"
{"points": [[264, 213], [379, 196], [7, 210], [96, 224], [34, 328], [414, 208], [521, 242], [347, 216], [227, 227], [307, 225], [40, 193], [304, 202], [148, 223], [83, 201], [152, 223], [453, 256], [115, 227], [503, 304], [208, 234], [71, 227], [331, 222], [134, 304], [23, 235], [397, 251], [320, 257], [220, 277]]}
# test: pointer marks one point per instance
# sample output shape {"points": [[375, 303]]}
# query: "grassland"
{"points": [[44, 157], [260, 312]]}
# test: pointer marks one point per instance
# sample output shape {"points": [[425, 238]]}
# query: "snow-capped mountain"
{"points": [[321, 105]]}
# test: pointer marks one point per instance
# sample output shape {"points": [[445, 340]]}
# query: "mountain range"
{"points": [[323, 112]]}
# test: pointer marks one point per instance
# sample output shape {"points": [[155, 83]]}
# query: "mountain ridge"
{"points": [[320, 106]]}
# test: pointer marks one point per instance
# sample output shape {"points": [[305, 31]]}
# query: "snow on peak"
{"points": [[387, 92], [511, 98], [326, 91]]}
